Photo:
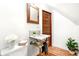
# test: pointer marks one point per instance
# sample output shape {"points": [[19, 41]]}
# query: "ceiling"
{"points": [[69, 10]]}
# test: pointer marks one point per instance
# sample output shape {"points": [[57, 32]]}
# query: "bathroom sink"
{"points": [[40, 37]]}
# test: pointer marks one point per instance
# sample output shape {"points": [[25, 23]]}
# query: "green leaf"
{"points": [[71, 44]]}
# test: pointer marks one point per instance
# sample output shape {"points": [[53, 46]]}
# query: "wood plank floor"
{"points": [[54, 51]]}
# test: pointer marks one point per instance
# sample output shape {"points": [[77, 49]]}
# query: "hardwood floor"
{"points": [[54, 51]]}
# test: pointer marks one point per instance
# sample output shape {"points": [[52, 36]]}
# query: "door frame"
{"points": [[50, 25]]}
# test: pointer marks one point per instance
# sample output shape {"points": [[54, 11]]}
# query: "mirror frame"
{"points": [[29, 17]]}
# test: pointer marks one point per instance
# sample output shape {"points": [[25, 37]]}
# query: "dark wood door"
{"points": [[47, 26]]}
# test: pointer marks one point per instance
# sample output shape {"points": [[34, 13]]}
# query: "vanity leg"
{"points": [[39, 50]]}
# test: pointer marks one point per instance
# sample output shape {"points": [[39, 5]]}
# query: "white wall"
{"points": [[62, 30], [13, 20]]}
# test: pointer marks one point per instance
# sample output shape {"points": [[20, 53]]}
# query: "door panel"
{"points": [[46, 25]]}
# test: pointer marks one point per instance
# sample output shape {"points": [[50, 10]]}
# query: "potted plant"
{"points": [[34, 33], [72, 45]]}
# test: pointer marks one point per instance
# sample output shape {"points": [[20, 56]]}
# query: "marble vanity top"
{"points": [[40, 37]]}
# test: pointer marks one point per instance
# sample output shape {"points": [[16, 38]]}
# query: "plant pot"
{"points": [[71, 52], [75, 53]]}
